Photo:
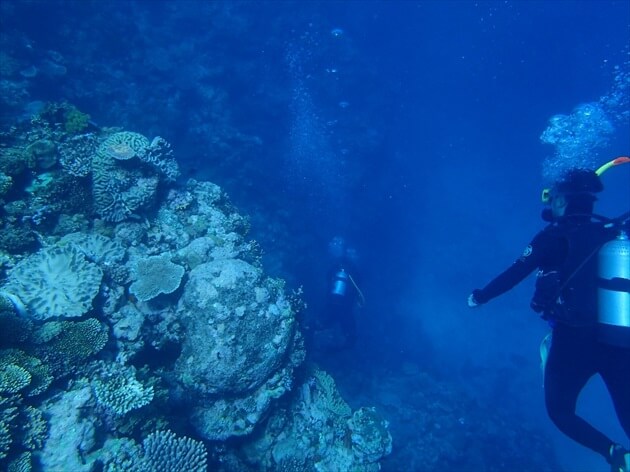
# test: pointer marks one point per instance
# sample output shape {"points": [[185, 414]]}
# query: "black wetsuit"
{"points": [[565, 253], [341, 306]]}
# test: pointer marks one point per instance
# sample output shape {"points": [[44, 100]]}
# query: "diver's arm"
{"points": [[505, 281], [521, 268]]}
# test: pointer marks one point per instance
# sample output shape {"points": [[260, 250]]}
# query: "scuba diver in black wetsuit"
{"points": [[343, 296], [589, 312]]}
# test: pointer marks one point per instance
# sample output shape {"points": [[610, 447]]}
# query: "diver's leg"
{"points": [[570, 365], [349, 328], [615, 371]]}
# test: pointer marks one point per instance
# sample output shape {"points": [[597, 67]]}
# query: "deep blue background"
{"points": [[414, 132]]}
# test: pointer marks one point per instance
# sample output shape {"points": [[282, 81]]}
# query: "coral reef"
{"points": [[165, 451], [22, 427], [75, 154], [5, 183], [55, 282], [40, 376], [155, 275], [237, 339], [317, 431], [96, 247], [120, 392], [119, 190], [76, 121], [150, 320], [13, 378], [64, 345], [161, 451]]}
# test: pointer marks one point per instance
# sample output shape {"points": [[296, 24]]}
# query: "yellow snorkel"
{"points": [[615, 162], [546, 193]]}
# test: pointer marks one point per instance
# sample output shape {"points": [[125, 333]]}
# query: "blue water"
{"points": [[411, 128]]}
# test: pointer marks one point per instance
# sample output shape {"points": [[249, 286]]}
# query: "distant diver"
{"points": [[583, 291], [343, 296]]}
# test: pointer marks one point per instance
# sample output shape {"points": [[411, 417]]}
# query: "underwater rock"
{"points": [[371, 439], [317, 431], [241, 340], [236, 345], [72, 433]]}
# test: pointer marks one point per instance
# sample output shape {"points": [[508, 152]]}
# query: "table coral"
{"points": [[155, 275]]}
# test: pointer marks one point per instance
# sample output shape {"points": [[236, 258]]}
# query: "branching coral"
{"points": [[161, 451], [164, 451], [75, 154], [8, 413], [40, 376], [13, 378], [20, 426], [67, 344], [121, 393]]}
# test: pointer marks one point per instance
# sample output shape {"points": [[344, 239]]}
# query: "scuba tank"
{"points": [[613, 292], [340, 283]]}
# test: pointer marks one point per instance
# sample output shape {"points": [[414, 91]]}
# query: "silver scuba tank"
{"points": [[613, 292], [340, 283]]}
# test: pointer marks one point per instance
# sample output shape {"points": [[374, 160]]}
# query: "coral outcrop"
{"points": [[318, 431], [156, 321], [240, 328]]}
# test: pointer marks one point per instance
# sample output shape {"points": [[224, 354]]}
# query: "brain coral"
{"points": [[55, 282], [155, 275], [124, 146], [120, 190]]}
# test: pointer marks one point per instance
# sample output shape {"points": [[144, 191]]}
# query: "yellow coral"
{"points": [[329, 396]]}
